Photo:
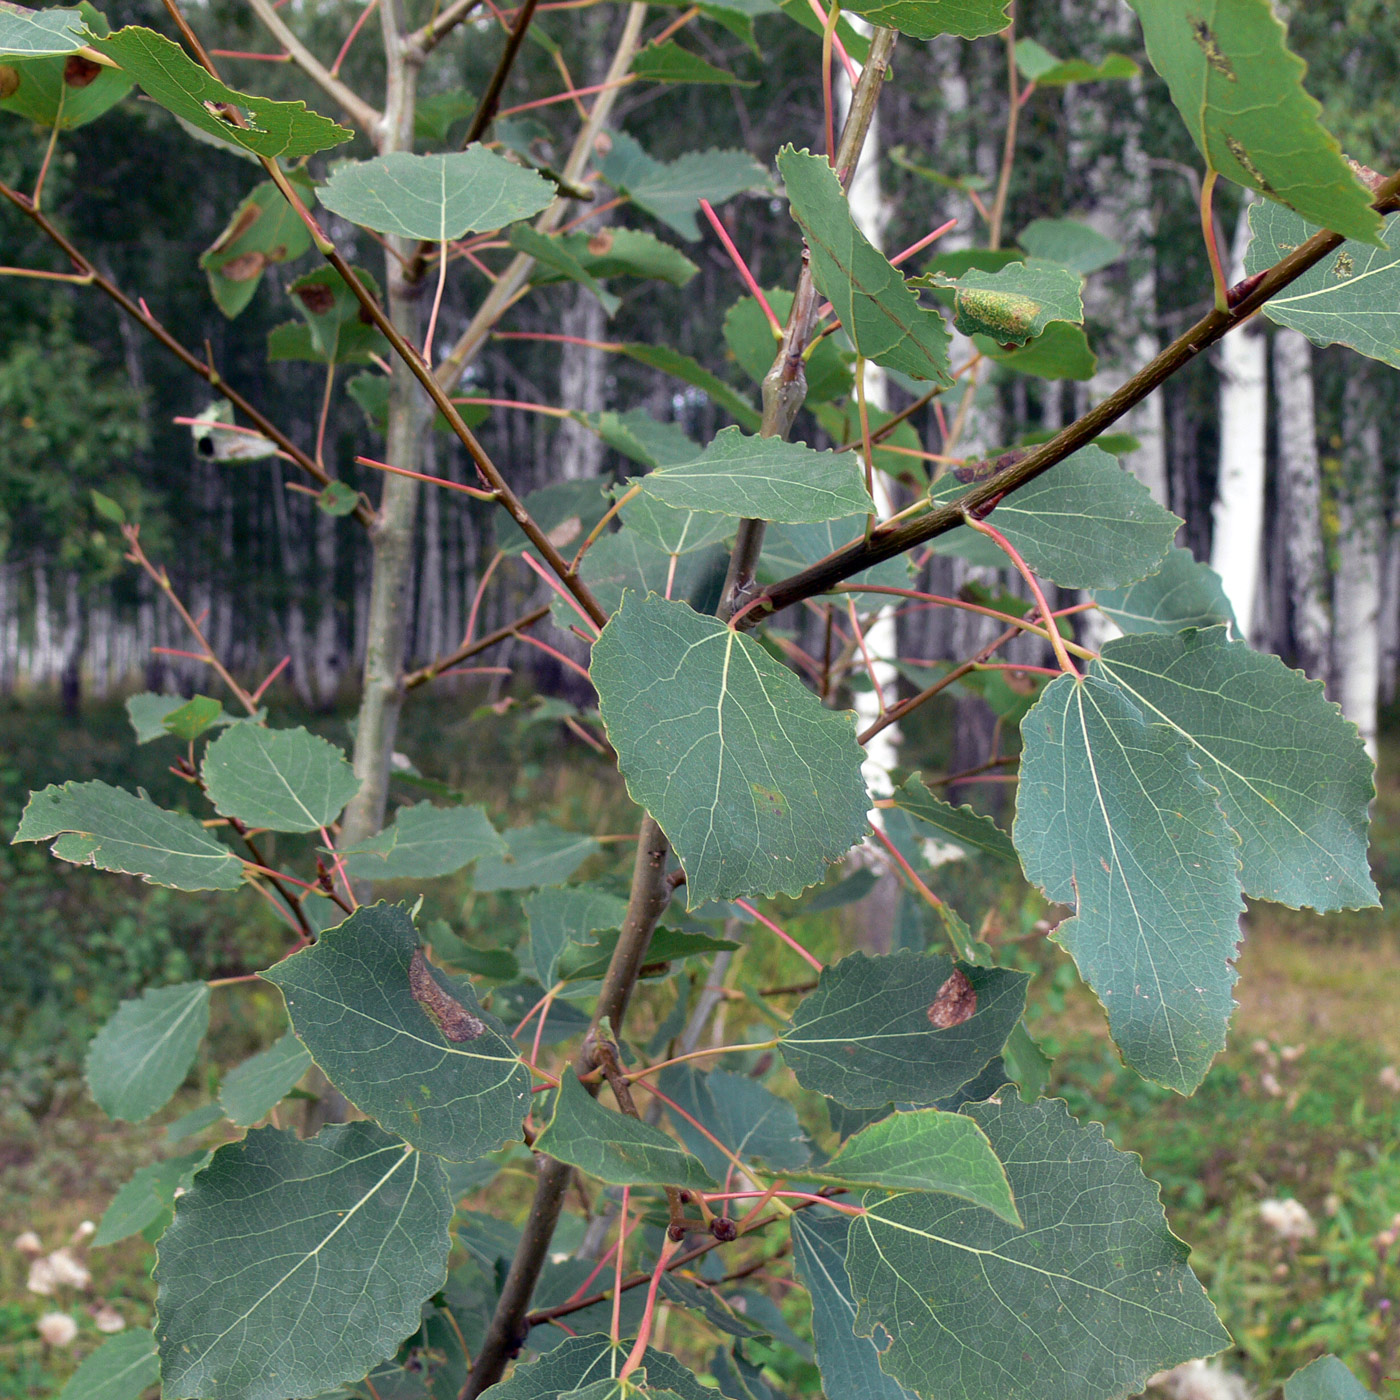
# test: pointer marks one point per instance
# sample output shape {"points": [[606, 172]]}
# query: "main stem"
{"points": [[785, 384], [508, 1328], [394, 527], [784, 389]]}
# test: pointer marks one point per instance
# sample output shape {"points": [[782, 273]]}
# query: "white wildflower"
{"points": [[107, 1319], [1268, 1082], [1289, 1053], [1200, 1380], [29, 1244], [1389, 1079], [85, 1231], [68, 1269], [1289, 1219], [57, 1330], [41, 1278]]}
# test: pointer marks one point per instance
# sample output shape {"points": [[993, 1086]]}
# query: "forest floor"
{"points": [[1298, 1106]]}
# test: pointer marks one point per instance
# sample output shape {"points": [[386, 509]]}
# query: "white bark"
{"points": [[1356, 587], [881, 636], [1299, 488], [1238, 514]]}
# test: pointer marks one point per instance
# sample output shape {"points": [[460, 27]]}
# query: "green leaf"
{"points": [[691, 372], [975, 833], [37, 33], [124, 1367], [1351, 297], [147, 712], [850, 1365], [922, 1150], [191, 1124], [1086, 523], [670, 191], [1061, 352], [338, 499], [751, 1121], [802, 14], [424, 842], [435, 197], [281, 779], [167, 76], [560, 917], [1017, 303], [264, 231], [1045, 70], [436, 114], [383, 1042], [542, 854], [1085, 1303], [749, 335], [251, 1091], [685, 1292], [1071, 244], [550, 252], [146, 1197], [1293, 777], [879, 312], [927, 19], [336, 329], [754, 780], [1240, 92], [667, 62], [1181, 594], [577, 1361], [350, 1240], [565, 510], [790, 548], [639, 437], [140, 1057], [613, 1147], [629, 252], [1327, 1378], [667, 945], [1114, 818], [628, 560], [107, 508], [673, 531], [190, 720], [67, 92], [865, 1038], [111, 829], [763, 478]]}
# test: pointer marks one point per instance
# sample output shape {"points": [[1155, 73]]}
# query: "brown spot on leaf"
{"points": [[246, 267], [316, 297], [1210, 46], [600, 245], [9, 82], [955, 1003], [1343, 267], [442, 1008], [565, 532], [247, 217], [1246, 161], [78, 71]]}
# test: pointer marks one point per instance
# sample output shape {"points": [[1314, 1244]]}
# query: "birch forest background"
{"points": [[1274, 453]]}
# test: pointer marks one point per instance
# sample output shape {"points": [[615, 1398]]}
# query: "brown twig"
{"points": [[887, 542], [436, 667]]}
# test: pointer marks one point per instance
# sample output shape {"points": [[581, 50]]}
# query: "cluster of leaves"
{"points": [[966, 1236]]}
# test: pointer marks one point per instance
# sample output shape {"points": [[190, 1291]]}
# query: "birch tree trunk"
{"points": [[871, 216], [1356, 587], [1237, 539], [1300, 498]]}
